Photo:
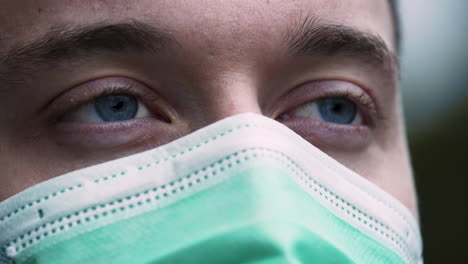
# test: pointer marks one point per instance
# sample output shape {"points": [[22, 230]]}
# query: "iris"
{"points": [[111, 108], [337, 110]]}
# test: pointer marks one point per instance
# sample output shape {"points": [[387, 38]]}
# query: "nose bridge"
{"points": [[230, 94]]}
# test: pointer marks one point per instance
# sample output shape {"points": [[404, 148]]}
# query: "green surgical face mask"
{"points": [[243, 190]]}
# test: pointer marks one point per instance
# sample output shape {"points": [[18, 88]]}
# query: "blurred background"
{"points": [[435, 95]]}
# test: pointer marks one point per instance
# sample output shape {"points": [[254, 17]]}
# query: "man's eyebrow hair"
{"points": [[311, 38], [67, 42]]}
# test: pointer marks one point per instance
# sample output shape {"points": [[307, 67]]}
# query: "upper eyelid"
{"points": [[314, 90], [366, 117], [87, 91], [363, 100]]}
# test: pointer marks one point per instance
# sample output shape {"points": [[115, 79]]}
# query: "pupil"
{"points": [[111, 108], [337, 110], [118, 106]]}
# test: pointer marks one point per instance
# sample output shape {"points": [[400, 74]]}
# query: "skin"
{"points": [[225, 60]]}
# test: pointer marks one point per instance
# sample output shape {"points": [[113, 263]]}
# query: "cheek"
{"points": [[367, 163], [397, 180], [20, 171], [29, 160], [389, 169]]}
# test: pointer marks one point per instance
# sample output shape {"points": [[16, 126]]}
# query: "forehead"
{"points": [[215, 22]]}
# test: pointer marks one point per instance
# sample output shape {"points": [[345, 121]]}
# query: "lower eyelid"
{"points": [[103, 135], [331, 136]]}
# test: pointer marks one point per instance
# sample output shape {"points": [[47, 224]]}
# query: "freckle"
{"points": [[39, 10]]}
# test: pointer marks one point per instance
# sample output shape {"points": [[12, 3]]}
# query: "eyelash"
{"points": [[363, 100], [113, 89], [364, 103]]}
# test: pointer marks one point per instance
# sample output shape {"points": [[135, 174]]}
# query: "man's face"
{"points": [[83, 82]]}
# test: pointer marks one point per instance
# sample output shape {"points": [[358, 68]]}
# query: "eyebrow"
{"points": [[68, 42], [308, 37]]}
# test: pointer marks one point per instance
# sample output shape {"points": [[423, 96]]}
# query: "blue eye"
{"points": [[109, 108], [112, 108], [337, 110]]}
